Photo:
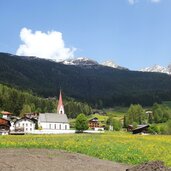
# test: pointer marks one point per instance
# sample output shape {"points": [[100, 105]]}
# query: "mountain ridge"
{"points": [[100, 86], [158, 68], [84, 61]]}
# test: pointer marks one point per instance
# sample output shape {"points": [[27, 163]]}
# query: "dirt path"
{"points": [[52, 160]]}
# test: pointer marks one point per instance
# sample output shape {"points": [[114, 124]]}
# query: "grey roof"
{"points": [[53, 117]]}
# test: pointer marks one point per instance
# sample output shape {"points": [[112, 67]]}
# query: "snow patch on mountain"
{"points": [[111, 64], [158, 68], [80, 61]]}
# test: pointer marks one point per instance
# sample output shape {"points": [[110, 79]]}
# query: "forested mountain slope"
{"points": [[99, 85]]}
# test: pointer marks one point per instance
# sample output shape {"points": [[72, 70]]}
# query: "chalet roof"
{"points": [[140, 129], [4, 122], [95, 119], [138, 126], [6, 113], [53, 117], [24, 118]]}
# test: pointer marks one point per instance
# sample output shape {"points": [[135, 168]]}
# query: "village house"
{"points": [[25, 124], [54, 121], [5, 122], [4, 126], [95, 124], [6, 115], [139, 130]]}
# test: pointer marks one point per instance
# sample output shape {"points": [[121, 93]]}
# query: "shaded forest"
{"points": [[21, 102]]}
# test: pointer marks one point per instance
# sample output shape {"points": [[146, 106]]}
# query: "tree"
{"points": [[125, 122], [135, 125], [135, 114], [26, 109], [116, 125], [109, 120], [168, 127], [150, 118], [160, 113], [81, 123], [157, 112]]}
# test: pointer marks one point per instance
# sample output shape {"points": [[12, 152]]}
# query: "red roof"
{"points": [[6, 113], [60, 103], [3, 121]]}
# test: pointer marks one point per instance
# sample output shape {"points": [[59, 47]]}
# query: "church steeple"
{"points": [[60, 108]]}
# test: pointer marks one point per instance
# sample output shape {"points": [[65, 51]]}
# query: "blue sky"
{"points": [[132, 33]]}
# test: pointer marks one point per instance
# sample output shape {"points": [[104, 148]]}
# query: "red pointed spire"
{"points": [[60, 108]]}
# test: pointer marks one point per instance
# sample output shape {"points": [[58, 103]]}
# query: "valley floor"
{"points": [[44, 159]]}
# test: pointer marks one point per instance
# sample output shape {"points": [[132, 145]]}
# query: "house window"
{"points": [[30, 124], [30, 129], [49, 126], [60, 126], [23, 124], [55, 126], [26, 129], [26, 124], [18, 124], [65, 127]]}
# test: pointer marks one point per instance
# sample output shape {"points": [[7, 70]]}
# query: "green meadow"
{"points": [[118, 146]]}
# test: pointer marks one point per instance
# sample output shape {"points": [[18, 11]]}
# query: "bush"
{"points": [[81, 123], [168, 127], [116, 125], [135, 125], [154, 129], [163, 129]]}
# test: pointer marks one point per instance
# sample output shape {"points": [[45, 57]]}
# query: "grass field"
{"points": [[120, 147], [167, 103]]}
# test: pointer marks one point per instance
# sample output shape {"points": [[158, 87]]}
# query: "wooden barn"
{"points": [[141, 129]]}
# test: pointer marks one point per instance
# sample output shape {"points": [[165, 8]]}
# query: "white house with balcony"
{"points": [[25, 124]]}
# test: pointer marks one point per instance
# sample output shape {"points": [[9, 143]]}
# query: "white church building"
{"points": [[54, 121]]}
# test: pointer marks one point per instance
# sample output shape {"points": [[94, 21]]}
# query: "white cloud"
{"points": [[132, 2], [155, 1], [48, 45]]}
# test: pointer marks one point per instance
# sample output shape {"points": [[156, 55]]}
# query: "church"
{"points": [[54, 121]]}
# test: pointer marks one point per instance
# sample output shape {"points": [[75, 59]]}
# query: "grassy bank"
{"points": [[120, 147]]}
